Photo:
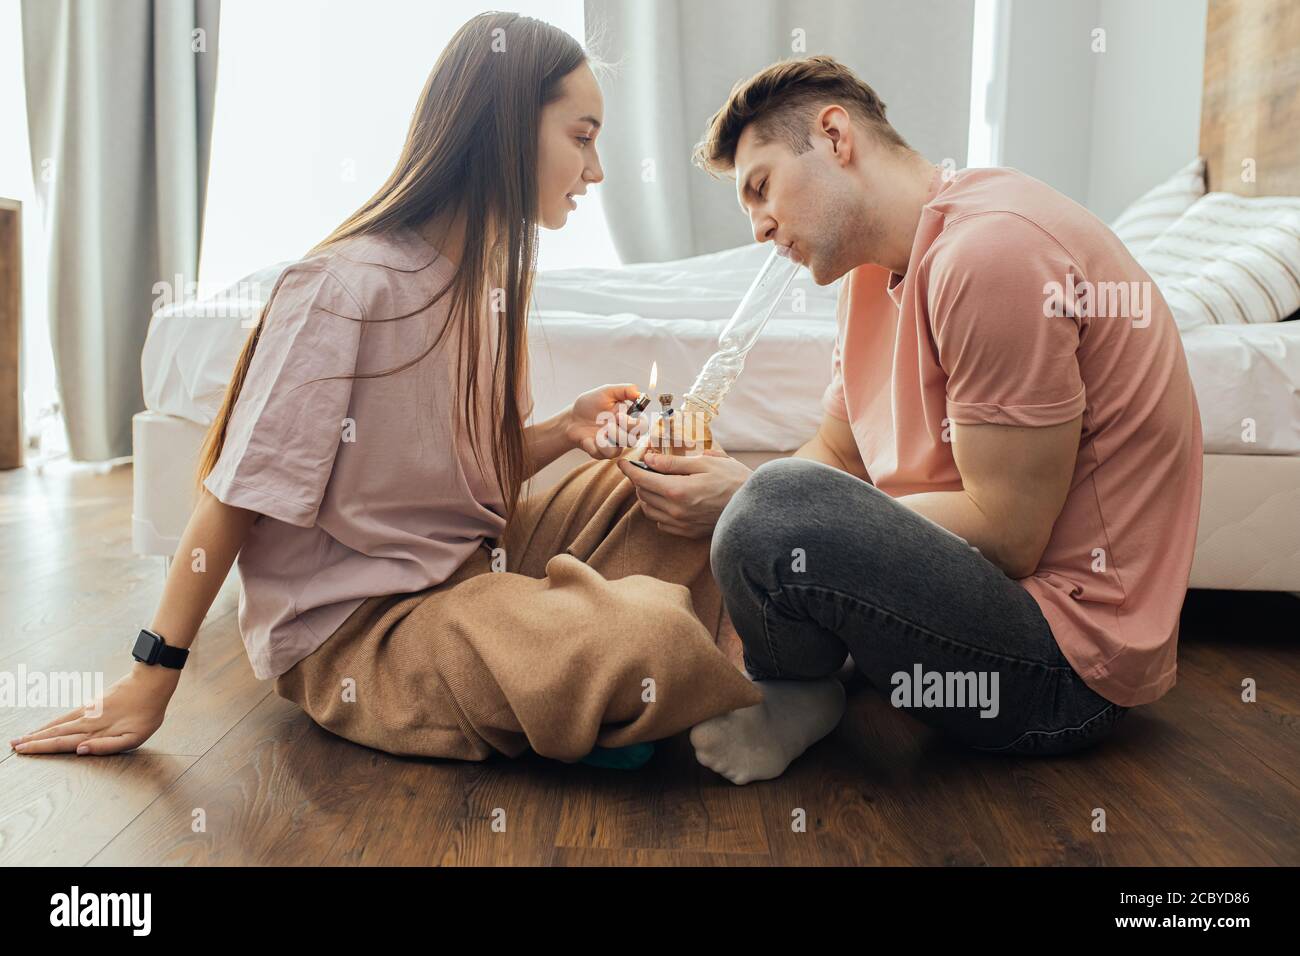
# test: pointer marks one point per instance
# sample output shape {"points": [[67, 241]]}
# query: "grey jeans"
{"points": [[815, 564]]}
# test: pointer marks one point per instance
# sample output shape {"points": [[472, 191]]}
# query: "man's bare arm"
{"points": [[1014, 484], [835, 445]]}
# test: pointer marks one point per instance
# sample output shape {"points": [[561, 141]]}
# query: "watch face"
{"points": [[146, 648]]}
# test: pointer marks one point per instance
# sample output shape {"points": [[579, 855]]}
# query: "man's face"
{"points": [[811, 203]]}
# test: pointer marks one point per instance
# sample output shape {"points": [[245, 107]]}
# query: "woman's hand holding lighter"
{"points": [[599, 423]]}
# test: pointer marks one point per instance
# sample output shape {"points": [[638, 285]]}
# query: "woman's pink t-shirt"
{"points": [[361, 485], [1019, 307]]}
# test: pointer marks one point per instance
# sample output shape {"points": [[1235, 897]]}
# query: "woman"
{"points": [[367, 462]]}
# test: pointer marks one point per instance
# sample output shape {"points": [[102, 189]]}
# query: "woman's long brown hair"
{"points": [[472, 151]]}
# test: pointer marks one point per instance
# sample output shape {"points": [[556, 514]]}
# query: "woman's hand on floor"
{"points": [[598, 422], [128, 714]]}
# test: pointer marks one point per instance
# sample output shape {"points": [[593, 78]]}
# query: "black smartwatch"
{"points": [[150, 648]]}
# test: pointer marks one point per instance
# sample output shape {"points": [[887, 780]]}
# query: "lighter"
{"points": [[640, 405], [636, 408]]}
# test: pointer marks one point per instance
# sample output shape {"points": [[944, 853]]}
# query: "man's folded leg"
{"points": [[816, 564]]}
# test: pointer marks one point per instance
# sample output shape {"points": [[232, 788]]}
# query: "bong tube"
{"points": [[741, 332]]}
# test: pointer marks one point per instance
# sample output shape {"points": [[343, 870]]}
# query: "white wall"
{"points": [[1103, 127], [1049, 110], [1146, 107]]}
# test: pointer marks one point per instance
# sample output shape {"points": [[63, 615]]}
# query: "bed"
{"points": [[1250, 519], [595, 326]]}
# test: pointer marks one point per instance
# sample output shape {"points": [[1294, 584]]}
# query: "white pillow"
{"points": [[1155, 211], [1230, 261]]}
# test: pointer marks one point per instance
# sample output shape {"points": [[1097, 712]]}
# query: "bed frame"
{"points": [[1249, 532]]}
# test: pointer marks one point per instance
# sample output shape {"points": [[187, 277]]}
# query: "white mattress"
{"points": [[593, 326], [1247, 372]]}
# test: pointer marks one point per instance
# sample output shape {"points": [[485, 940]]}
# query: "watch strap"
{"points": [[151, 648]]}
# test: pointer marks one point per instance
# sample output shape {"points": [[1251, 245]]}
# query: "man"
{"points": [[997, 515]]}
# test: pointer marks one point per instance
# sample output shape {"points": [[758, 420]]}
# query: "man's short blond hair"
{"points": [[782, 102]]}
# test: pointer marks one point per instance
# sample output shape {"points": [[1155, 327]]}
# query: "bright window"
{"points": [[988, 82], [41, 421], [311, 113]]}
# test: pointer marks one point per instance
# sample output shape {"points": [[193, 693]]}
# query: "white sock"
{"points": [[759, 742]]}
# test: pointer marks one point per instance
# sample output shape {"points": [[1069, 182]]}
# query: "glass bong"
{"points": [[689, 431]]}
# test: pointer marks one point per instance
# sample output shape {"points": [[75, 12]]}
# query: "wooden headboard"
{"points": [[1250, 99]]}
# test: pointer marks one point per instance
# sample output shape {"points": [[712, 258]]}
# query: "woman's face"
{"points": [[567, 160]]}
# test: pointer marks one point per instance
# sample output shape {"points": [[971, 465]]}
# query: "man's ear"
{"points": [[833, 123]]}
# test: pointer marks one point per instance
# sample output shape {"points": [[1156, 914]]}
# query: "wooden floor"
{"points": [[1198, 778]]}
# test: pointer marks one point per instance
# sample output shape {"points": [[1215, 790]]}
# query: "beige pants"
{"points": [[600, 630]]}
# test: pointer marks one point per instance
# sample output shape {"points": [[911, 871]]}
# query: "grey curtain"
{"points": [[119, 104], [675, 61]]}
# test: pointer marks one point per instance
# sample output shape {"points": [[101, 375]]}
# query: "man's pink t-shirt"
{"points": [[362, 485], [1012, 312]]}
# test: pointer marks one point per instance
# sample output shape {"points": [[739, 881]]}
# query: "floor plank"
{"points": [[272, 791], [58, 810]]}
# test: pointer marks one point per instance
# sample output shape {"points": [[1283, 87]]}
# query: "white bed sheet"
{"points": [[594, 326]]}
